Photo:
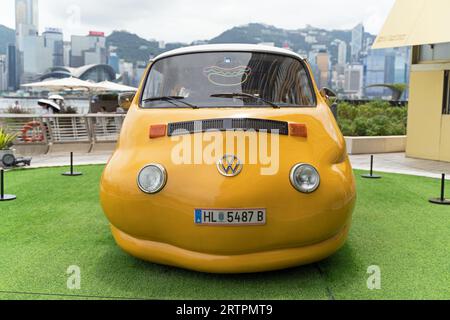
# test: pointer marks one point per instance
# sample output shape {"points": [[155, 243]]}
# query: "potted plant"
{"points": [[6, 142]]}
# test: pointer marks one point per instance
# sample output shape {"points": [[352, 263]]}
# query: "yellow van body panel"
{"points": [[300, 228]]}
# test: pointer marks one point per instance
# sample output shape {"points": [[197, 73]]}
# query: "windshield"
{"points": [[228, 79]]}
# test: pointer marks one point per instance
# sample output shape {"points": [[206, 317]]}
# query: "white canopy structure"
{"points": [[64, 84], [115, 87], [77, 84], [90, 88], [415, 22]]}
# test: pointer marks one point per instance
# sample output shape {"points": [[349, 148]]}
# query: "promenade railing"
{"points": [[50, 130]]}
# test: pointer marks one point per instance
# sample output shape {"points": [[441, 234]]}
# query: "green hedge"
{"points": [[377, 118]]}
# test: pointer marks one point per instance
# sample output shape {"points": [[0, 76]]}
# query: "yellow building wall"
{"points": [[425, 116], [445, 139]]}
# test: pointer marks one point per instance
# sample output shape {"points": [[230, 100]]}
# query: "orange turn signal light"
{"points": [[158, 131], [298, 130]]}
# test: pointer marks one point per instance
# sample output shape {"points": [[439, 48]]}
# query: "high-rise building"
{"points": [[67, 49], [35, 54], [3, 75], [27, 17], [379, 68], [54, 40], [38, 54], [35, 57], [342, 53], [310, 39], [389, 69], [139, 71], [126, 71], [323, 64], [87, 50], [354, 81], [357, 42], [113, 61], [27, 27], [11, 57], [402, 63], [338, 77]]}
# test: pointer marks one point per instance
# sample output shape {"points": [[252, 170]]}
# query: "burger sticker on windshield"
{"points": [[227, 77]]}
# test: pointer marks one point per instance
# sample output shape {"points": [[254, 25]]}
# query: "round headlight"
{"points": [[305, 178], [152, 178]]}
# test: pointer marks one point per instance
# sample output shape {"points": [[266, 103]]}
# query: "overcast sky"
{"points": [[188, 20]]}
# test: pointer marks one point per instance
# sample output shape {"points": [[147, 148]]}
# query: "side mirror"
{"points": [[125, 100], [329, 95], [331, 98]]}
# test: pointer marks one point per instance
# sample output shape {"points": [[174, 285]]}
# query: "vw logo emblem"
{"points": [[229, 166]]}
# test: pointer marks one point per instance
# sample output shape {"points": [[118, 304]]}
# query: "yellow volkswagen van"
{"points": [[229, 161]]}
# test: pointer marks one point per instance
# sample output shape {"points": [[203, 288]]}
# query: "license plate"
{"points": [[230, 217]]}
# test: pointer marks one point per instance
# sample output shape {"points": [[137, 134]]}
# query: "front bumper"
{"points": [[166, 254]]}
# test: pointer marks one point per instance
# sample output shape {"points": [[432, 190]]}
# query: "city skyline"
{"points": [[347, 64], [192, 24]]}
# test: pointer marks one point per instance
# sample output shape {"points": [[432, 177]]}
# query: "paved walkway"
{"points": [[392, 162], [60, 160], [399, 163]]}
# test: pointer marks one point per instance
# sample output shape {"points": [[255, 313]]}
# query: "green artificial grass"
{"points": [[58, 222]]}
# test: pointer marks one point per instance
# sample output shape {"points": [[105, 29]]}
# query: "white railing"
{"points": [[60, 129]]}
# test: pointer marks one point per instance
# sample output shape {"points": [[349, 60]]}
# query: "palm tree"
{"points": [[397, 89]]}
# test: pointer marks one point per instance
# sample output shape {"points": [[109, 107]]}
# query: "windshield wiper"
{"points": [[173, 100], [245, 95]]}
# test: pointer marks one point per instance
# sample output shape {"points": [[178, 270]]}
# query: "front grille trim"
{"points": [[228, 124]]}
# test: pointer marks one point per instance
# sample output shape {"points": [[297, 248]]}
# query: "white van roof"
{"points": [[228, 47]]}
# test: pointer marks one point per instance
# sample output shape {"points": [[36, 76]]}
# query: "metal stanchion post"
{"points": [[371, 175], [3, 196], [72, 173], [442, 199]]}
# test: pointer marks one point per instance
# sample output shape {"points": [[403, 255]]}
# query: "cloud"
{"points": [[181, 20]]}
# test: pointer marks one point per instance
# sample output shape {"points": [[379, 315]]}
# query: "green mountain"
{"points": [[133, 48], [7, 36], [300, 40], [296, 39], [256, 33]]}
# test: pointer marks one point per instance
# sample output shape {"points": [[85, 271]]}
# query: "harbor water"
{"points": [[31, 104]]}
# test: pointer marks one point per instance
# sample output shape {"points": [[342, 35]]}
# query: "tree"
{"points": [[397, 89]]}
